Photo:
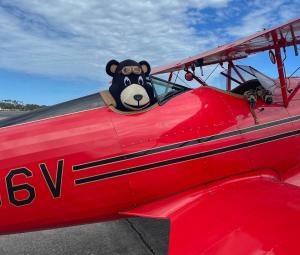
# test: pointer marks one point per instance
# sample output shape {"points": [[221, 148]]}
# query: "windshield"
{"points": [[165, 90], [249, 73]]}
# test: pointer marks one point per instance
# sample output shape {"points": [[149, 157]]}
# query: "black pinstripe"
{"points": [[185, 158], [183, 144]]}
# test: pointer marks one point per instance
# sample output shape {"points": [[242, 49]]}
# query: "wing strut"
{"points": [[280, 68], [294, 40]]}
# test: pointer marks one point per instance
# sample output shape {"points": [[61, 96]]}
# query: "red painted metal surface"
{"points": [[280, 68], [101, 133], [73, 138], [265, 40], [249, 214], [228, 80], [93, 165], [237, 71]]}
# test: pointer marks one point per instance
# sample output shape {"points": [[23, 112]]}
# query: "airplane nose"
{"points": [[138, 97]]}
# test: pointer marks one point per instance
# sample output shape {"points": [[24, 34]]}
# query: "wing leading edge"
{"points": [[287, 34], [251, 215]]}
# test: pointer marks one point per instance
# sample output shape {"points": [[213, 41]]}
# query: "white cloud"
{"points": [[264, 14], [75, 39]]}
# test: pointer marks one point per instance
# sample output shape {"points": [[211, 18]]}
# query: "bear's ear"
{"points": [[145, 67], [111, 67]]}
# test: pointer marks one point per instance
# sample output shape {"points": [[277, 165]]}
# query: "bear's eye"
{"points": [[141, 80], [127, 82]]}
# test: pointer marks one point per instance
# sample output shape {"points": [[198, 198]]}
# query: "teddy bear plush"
{"points": [[129, 86]]}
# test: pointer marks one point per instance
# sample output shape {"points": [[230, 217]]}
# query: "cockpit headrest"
{"points": [[108, 98]]}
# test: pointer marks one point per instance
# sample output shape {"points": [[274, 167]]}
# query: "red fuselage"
{"points": [[91, 165]]}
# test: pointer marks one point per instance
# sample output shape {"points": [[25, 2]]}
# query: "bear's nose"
{"points": [[138, 97]]}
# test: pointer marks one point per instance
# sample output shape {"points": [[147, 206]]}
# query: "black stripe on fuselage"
{"points": [[183, 144], [185, 158]]}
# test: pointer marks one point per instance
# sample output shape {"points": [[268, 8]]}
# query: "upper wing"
{"points": [[287, 34], [254, 215]]}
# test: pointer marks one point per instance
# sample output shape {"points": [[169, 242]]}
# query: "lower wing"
{"points": [[250, 215]]}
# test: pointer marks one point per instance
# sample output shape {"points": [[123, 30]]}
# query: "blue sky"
{"points": [[53, 51]]}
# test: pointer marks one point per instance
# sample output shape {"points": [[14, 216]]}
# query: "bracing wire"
{"points": [[211, 72], [176, 77], [294, 72]]}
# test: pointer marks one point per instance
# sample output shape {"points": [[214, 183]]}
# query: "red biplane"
{"points": [[222, 166]]}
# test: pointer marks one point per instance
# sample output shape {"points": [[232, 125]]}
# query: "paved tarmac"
{"points": [[136, 236]]}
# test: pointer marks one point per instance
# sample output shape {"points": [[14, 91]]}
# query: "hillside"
{"points": [[13, 105]]}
